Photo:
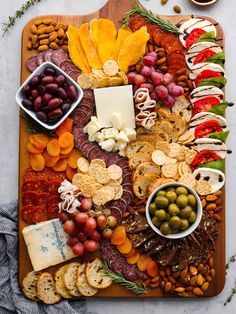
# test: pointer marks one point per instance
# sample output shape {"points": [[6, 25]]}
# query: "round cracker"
{"points": [[119, 193], [115, 185], [203, 187], [110, 68], [99, 162], [102, 175], [123, 76], [83, 164], [159, 157], [170, 160], [188, 179], [85, 81], [190, 154], [174, 150], [115, 172], [169, 170]]}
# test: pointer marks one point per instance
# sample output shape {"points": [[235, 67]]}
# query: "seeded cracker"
{"points": [[115, 185], [119, 193], [169, 171], [85, 81], [110, 68], [203, 187], [123, 76], [104, 195], [181, 154], [115, 172], [83, 164], [174, 150], [158, 157], [190, 155], [189, 180], [170, 161], [102, 175], [99, 162]]}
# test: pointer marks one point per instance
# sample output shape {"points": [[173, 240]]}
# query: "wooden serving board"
{"points": [[113, 10]]}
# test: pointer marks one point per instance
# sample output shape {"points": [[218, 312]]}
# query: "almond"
{"points": [[211, 198], [180, 289], [211, 206], [205, 286], [199, 279], [168, 287], [197, 291], [211, 262], [193, 270]]}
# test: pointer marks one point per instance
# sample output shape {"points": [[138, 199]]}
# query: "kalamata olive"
{"points": [[42, 116], [41, 89], [55, 114], [52, 88], [72, 92], [49, 71], [27, 103], [65, 85], [52, 121], [65, 107], [60, 79], [46, 97], [34, 81], [62, 93], [48, 79], [41, 76], [30, 98], [34, 93], [38, 103], [26, 90], [54, 103], [68, 101]]}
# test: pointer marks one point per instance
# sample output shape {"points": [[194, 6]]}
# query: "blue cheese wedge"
{"points": [[46, 244]]}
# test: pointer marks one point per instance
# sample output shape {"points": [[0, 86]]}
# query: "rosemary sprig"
{"points": [[33, 127], [233, 292], [12, 19], [119, 279], [149, 16], [231, 260]]}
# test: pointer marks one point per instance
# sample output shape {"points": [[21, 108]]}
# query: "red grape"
{"points": [[162, 91], [86, 204], [81, 218], [131, 76], [146, 71], [96, 236], [63, 216], [91, 245], [169, 101], [152, 54], [154, 96], [111, 221], [72, 241], [150, 58], [101, 221], [175, 90], [157, 78], [69, 227], [167, 78], [139, 79], [149, 86], [81, 236], [91, 223], [87, 232], [78, 249], [107, 233]]}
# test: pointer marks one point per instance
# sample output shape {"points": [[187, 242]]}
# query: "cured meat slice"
{"points": [[123, 163], [86, 147], [30, 198], [53, 187], [42, 198], [32, 63], [113, 159], [35, 186], [39, 214], [127, 178], [74, 74], [141, 275], [104, 156], [80, 117], [116, 212], [128, 186], [65, 63], [55, 199], [128, 196], [121, 204], [130, 272], [126, 171], [40, 57], [107, 251], [119, 265], [53, 211], [58, 56], [26, 213], [48, 55], [94, 153], [30, 174], [80, 140]]}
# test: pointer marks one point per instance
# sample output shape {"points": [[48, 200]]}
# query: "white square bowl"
{"points": [[39, 70]]}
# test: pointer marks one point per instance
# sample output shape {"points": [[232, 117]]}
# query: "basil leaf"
{"points": [[219, 109], [217, 164], [210, 36], [219, 82], [222, 136], [218, 58]]}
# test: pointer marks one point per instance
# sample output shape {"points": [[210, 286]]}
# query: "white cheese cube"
{"points": [[131, 133], [116, 120], [115, 148], [92, 129], [111, 133], [99, 137], [122, 153], [107, 145], [122, 137], [121, 145]]}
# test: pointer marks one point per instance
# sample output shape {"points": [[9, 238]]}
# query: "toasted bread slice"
{"points": [[183, 108], [60, 284], [138, 158], [142, 130], [46, 289], [84, 288], [142, 183], [95, 275], [139, 146], [161, 133], [152, 138], [166, 126], [29, 285], [156, 183], [70, 279], [147, 167]]}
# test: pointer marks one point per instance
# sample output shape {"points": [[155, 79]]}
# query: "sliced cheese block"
{"points": [[195, 50], [204, 91], [215, 177], [188, 26], [200, 67], [211, 144], [46, 244], [117, 99]]}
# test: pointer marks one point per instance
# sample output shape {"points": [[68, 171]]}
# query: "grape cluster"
{"points": [[161, 86]]}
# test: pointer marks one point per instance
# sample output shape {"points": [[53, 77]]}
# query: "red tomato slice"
{"points": [[204, 156], [193, 37], [206, 74], [26, 214], [203, 56], [53, 211], [204, 104], [39, 214], [207, 128], [30, 198]]}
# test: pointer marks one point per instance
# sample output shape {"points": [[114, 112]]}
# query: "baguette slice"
{"points": [[70, 279], [60, 284], [95, 275], [84, 288], [47, 290], [29, 285], [152, 138], [183, 108], [138, 158], [142, 183], [146, 168], [139, 146]]}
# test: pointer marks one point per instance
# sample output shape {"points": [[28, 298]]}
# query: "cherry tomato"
{"points": [[91, 245], [72, 241], [78, 249], [81, 218], [206, 74], [63, 216], [203, 56], [204, 104], [111, 221], [203, 157], [101, 221], [107, 233], [96, 236], [207, 128], [193, 37], [69, 227], [91, 223]]}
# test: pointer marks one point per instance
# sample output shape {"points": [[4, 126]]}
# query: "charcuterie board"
{"points": [[113, 10]]}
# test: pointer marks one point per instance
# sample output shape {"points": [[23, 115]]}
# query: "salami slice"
{"points": [[53, 211], [45, 174], [126, 171], [32, 63], [29, 175], [35, 186], [106, 252], [40, 57], [104, 156], [48, 55], [58, 56], [43, 198], [26, 213], [86, 147], [120, 204], [55, 199], [94, 153], [116, 212], [130, 273], [127, 186], [141, 275], [80, 118], [88, 93], [113, 159], [81, 140], [74, 74], [128, 196], [39, 214], [123, 163], [58, 176], [86, 108], [119, 265], [65, 63], [30, 198], [53, 187], [127, 178]]}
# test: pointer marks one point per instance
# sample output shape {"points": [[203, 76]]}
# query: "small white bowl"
{"points": [[203, 4], [39, 70], [183, 233]]}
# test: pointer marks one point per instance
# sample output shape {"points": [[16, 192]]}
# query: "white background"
{"points": [[224, 12]]}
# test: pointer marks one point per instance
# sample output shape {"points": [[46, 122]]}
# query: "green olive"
{"points": [[192, 200], [175, 222], [186, 211], [168, 216], [156, 222], [173, 210], [192, 217], [161, 202], [161, 193], [184, 224], [182, 201], [152, 208], [171, 195], [165, 228], [160, 214], [181, 190], [170, 188]]}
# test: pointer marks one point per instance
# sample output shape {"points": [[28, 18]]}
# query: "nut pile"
{"points": [[45, 34], [184, 81], [213, 203]]}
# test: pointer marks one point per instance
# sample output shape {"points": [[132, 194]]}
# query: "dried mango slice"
{"points": [[89, 47], [133, 49], [76, 51], [94, 30], [123, 32]]}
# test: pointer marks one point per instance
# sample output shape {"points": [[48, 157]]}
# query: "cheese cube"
{"points": [[131, 133], [122, 137], [121, 145], [107, 145], [46, 244], [116, 147], [110, 133], [117, 121], [92, 129], [99, 137], [122, 153]]}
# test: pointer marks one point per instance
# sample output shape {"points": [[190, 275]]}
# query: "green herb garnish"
{"points": [[119, 279], [219, 82], [222, 136], [34, 127], [207, 37], [219, 109], [150, 17], [218, 58], [218, 164]]}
